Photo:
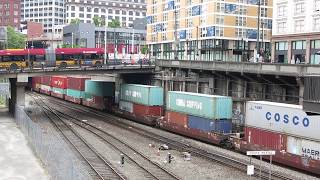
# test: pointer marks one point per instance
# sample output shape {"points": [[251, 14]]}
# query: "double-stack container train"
{"points": [[287, 129]]}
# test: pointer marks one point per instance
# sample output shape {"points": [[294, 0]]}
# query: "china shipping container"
{"points": [[46, 80], [57, 92], [209, 125], [265, 139], [59, 82], [202, 105], [45, 89], [99, 88], [142, 94], [176, 118], [76, 83], [126, 106], [283, 118]]}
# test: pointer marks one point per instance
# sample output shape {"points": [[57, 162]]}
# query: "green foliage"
{"points": [[115, 23], [144, 49], [98, 21], [75, 21], [16, 40], [70, 46]]}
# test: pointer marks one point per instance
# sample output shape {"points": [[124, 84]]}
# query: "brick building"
{"points": [[10, 13]]}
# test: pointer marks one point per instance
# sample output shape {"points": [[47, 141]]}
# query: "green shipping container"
{"points": [[58, 90], [142, 94], [75, 93], [202, 105], [99, 88], [87, 96]]}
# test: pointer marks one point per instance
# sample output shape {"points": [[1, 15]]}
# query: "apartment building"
{"points": [[10, 13], [223, 30], [296, 31]]}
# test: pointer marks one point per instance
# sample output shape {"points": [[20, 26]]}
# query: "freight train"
{"points": [[284, 128]]}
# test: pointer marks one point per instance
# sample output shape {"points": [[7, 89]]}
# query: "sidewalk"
{"points": [[17, 161]]}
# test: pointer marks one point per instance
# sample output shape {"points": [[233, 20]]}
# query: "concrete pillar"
{"points": [[20, 94], [273, 51], [17, 94], [197, 84], [227, 86], [301, 90], [308, 51], [289, 51], [240, 89], [212, 85]]}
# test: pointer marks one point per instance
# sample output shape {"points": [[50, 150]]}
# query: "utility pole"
{"points": [[258, 34], [175, 33], [105, 42]]}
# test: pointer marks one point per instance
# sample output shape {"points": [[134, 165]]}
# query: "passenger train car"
{"points": [[284, 128]]}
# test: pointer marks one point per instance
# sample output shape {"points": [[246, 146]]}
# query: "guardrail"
{"points": [[244, 67]]}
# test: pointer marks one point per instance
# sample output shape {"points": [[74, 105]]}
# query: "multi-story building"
{"points": [[296, 31], [51, 13], [10, 13], [126, 11], [225, 30]]}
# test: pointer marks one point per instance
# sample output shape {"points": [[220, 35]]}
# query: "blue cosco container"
{"points": [[203, 105], [75, 93], [142, 94], [99, 88], [208, 125]]}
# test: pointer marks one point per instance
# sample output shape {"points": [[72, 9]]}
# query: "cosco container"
{"points": [[99, 88], [59, 82], [76, 83], [126, 106], [75, 93], [303, 147], [142, 94], [283, 118], [177, 118], [203, 105], [46, 80], [208, 125], [266, 139]]}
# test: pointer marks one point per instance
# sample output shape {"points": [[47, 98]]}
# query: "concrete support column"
{"points": [[17, 94], [20, 94], [308, 51], [212, 85], [273, 52], [240, 89], [227, 86], [301, 90], [289, 52]]}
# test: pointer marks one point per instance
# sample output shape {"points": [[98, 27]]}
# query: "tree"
{"points": [[15, 39], [75, 21], [97, 21], [115, 23], [144, 49]]}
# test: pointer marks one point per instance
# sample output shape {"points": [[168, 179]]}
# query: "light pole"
{"points": [[105, 42], [258, 33], [72, 39]]}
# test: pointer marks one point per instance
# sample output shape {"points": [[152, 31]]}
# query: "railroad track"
{"points": [[175, 144], [102, 169]]}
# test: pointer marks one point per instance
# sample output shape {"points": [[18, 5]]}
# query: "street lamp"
{"points": [[105, 42]]}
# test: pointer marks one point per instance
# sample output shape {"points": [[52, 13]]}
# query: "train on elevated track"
{"points": [[13, 59], [284, 128]]}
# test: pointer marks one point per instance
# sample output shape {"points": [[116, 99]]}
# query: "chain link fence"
{"points": [[59, 160]]}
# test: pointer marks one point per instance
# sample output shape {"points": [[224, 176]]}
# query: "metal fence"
{"points": [[59, 160]]}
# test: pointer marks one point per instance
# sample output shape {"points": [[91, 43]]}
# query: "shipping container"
{"points": [[126, 106], [202, 105], [208, 125], [266, 140], [59, 82], [45, 89], [75, 93], [57, 92], [73, 99], [46, 80], [303, 147], [76, 83], [142, 110], [176, 118], [99, 88], [36, 83], [142, 94], [283, 118]]}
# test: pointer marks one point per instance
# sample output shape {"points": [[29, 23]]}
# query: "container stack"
{"points": [[59, 86], [45, 87], [282, 127], [75, 89], [98, 94], [198, 115], [143, 102], [36, 83]]}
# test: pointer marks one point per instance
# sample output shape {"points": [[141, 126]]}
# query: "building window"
{"points": [[298, 45], [73, 15], [137, 13], [130, 13], [299, 8], [165, 16], [298, 27], [264, 12], [88, 9], [316, 24], [282, 11], [281, 46], [96, 10], [110, 11], [219, 19], [240, 33], [88, 15], [73, 8], [241, 21], [281, 27], [124, 12], [315, 44], [219, 31]]}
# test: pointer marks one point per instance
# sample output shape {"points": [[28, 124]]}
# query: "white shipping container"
{"points": [[302, 147], [283, 118], [45, 87], [126, 106]]}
